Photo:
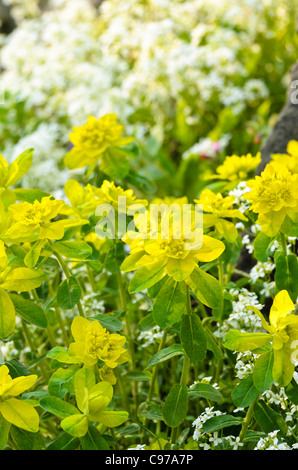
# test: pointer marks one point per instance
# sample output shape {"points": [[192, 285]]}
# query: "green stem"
{"points": [[284, 243], [33, 347], [248, 418], [67, 274]]}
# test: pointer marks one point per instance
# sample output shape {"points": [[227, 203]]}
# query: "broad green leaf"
{"points": [[193, 338], [291, 391], [170, 303], [19, 167], [139, 376], [112, 418], [220, 422], [238, 341], [93, 440], [289, 227], [58, 407], [75, 425], [61, 382], [268, 419], [261, 247], [286, 274], [205, 391], [33, 254], [64, 442], [29, 311], [23, 279], [175, 407], [83, 381], [146, 277], [245, 393], [4, 432], [206, 288], [7, 315], [25, 440], [69, 293], [213, 346], [30, 195], [62, 355], [150, 410], [109, 322], [165, 354], [262, 373], [20, 413], [73, 249]]}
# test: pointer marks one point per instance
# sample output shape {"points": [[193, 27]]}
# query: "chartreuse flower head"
{"points": [[11, 174], [93, 343], [235, 169], [30, 222], [283, 336], [96, 140], [274, 196], [16, 411], [290, 159], [220, 208]]}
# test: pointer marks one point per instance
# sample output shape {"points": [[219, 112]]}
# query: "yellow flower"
{"points": [[284, 330], [288, 160], [82, 198], [171, 249], [274, 196], [92, 139], [109, 193], [93, 343], [220, 208], [236, 169], [34, 221], [16, 411]]}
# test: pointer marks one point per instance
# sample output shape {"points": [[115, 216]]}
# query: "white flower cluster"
{"points": [[243, 204], [261, 270], [272, 442], [148, 61], [241, 318], [151, 336]]}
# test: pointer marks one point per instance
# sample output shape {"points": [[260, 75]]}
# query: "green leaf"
{"points": [[75, 425], [193, 338], [62, 355], [58, 407], [262, 373], [268, 419], [61, 382], [175, 407], [30, 195], [4, 432], [29, 311], [261, 247], [291, 391], [73, 249], [286, 274], [220, 422], [205, 391], [64, 442], [93, 440], [115, 257], [245, 393], [150, 410], [33, 254], [289, 227], [114, 163], [206, 288], [238, 341], [69, 293], [139, 376], [23, 279], [7, 315], [108, 321], [146, 277], [25, 440], [212, 345], [169, 305], [165, 354]]}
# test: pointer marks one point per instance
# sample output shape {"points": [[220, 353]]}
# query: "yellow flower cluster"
{"points": [[236, 169], [274, 196], [92, 139], [93, 343]]}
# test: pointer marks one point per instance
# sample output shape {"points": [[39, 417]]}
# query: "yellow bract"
{"points": [[92, 139], [93, 343], [274, 195], [109, 193], [288, 160], [17, 412], [220, 208], [29, 222], [236, 169], [284, 329]]}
